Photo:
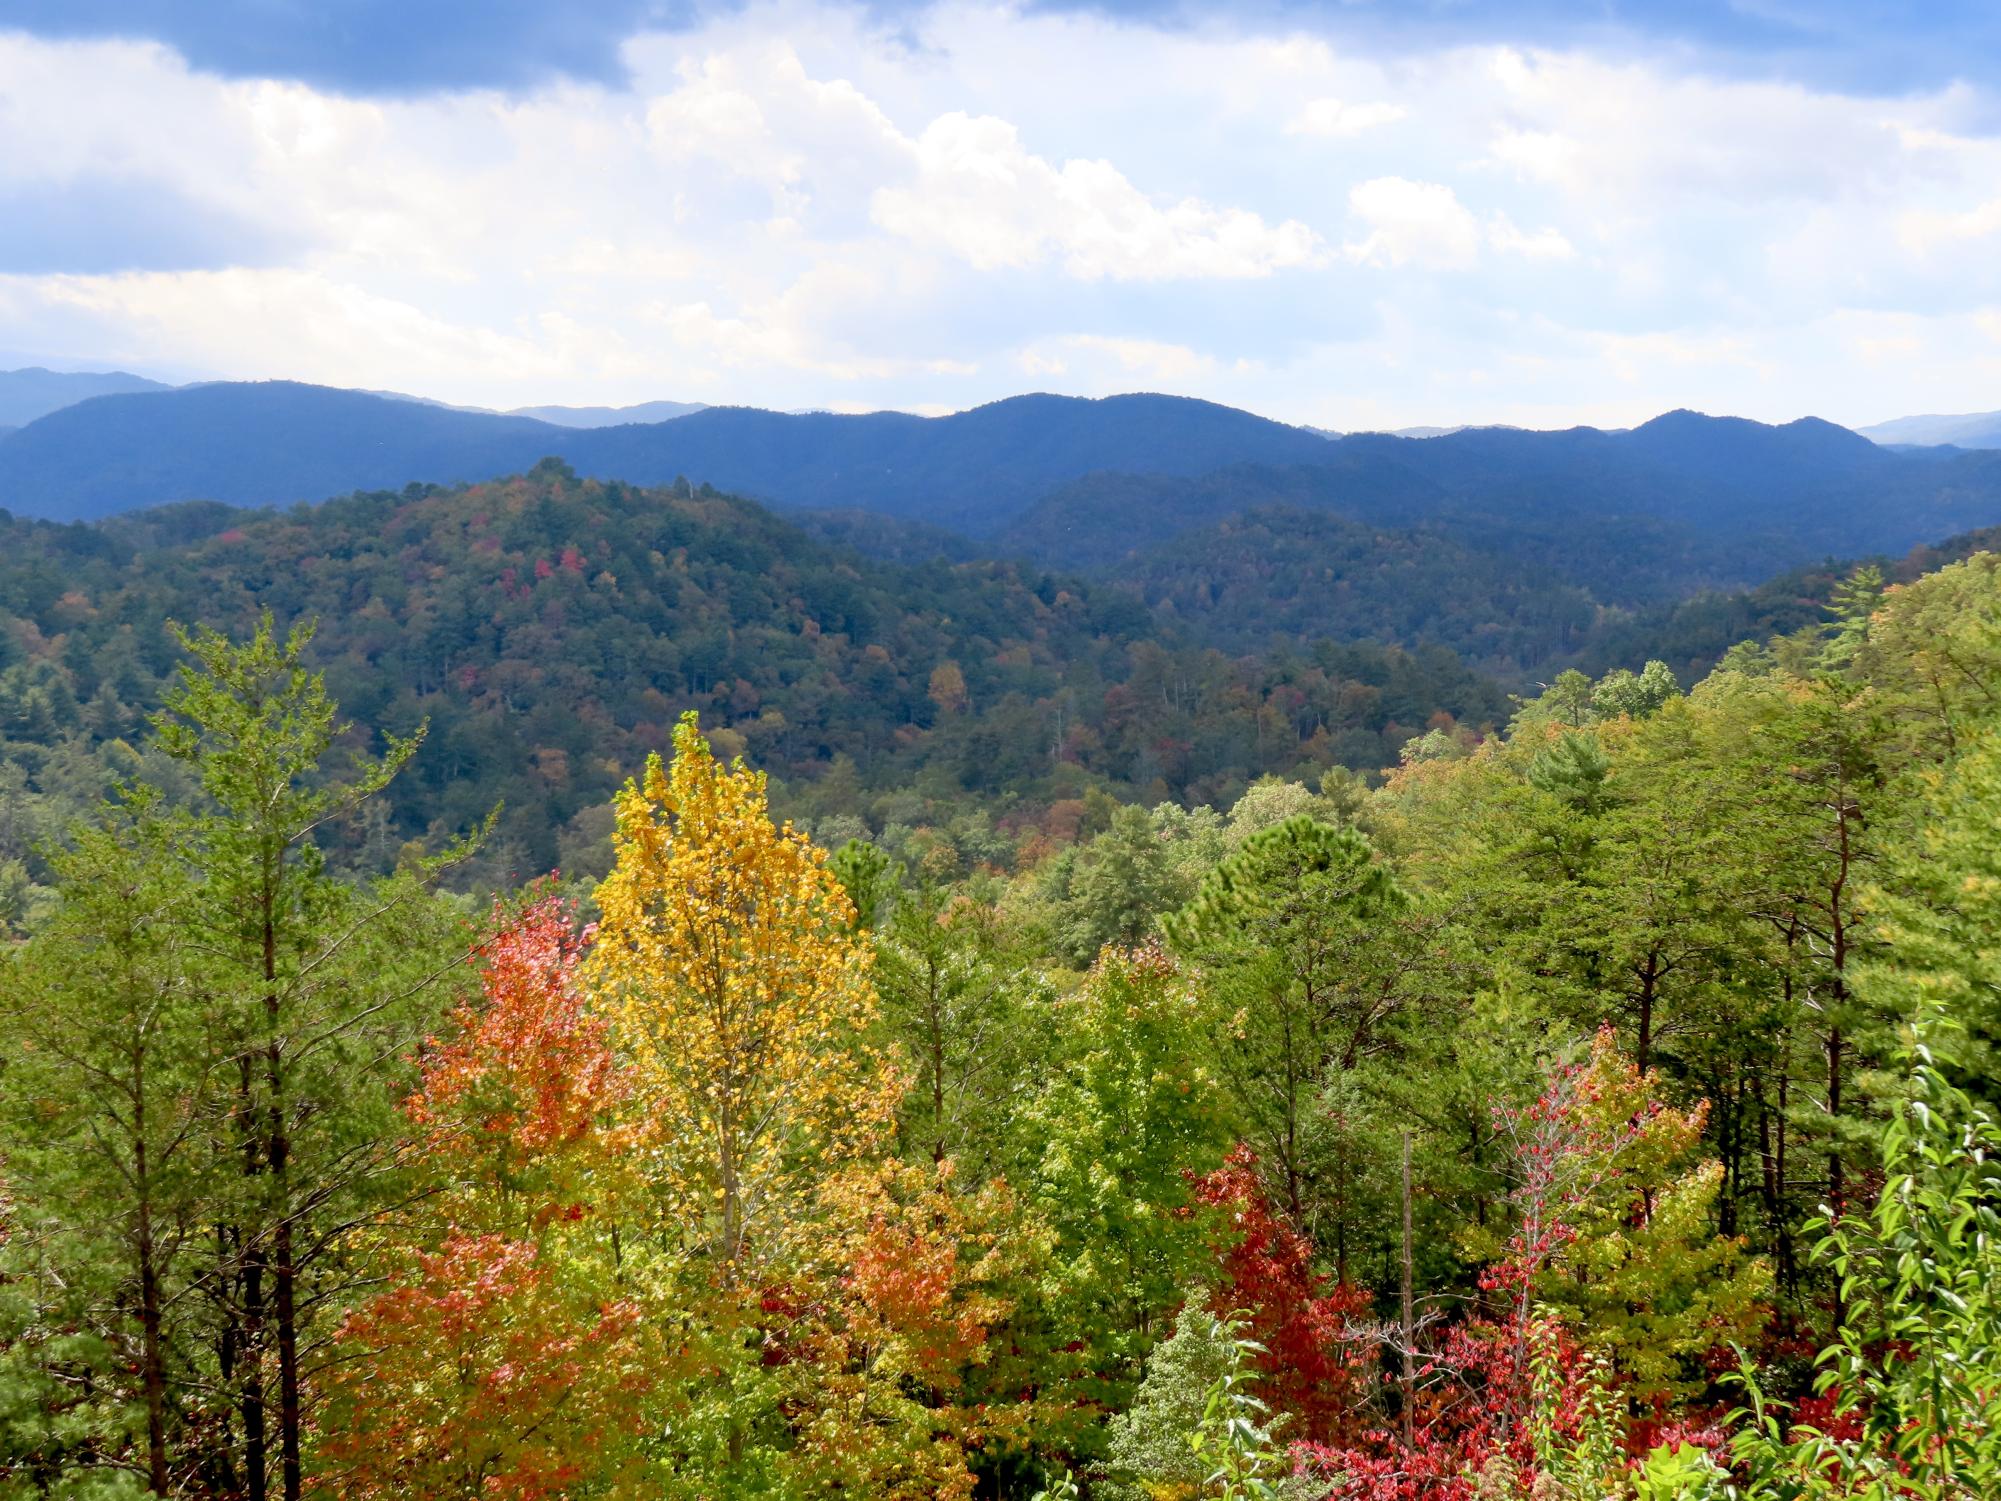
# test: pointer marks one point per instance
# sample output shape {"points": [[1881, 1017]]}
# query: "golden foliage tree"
{"points": [[727, 959]]}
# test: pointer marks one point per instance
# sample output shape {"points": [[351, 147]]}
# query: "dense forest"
{"points": [[1134, 1076], [550, 630]]}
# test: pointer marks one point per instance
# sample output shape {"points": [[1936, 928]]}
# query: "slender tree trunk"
{"points": [[1649, 984], [1788, 1263], [278, 1155], [250, 1316], [250, 1399], [1409, 1321], [152, 1361], [221, 1463], [1728, 1143], [937, 1066]]}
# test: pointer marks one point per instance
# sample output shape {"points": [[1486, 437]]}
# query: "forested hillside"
{"points": [[550, 630], [1461, 1137], [1515, 609]]}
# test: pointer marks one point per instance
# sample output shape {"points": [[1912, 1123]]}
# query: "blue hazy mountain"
{"points": [[1968, 430], [276, 442], [645, 411], [35, 392], [1069, 480]]}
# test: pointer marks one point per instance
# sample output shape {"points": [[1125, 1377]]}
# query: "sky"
{"points": [[1351, 213]]}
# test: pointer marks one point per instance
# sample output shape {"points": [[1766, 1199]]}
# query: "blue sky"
{"points": [[1351, 213]]}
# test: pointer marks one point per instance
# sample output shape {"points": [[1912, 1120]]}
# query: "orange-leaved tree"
{"points": [[517, 1100], [480, 1374], [895, 1327], [507, 1354]]}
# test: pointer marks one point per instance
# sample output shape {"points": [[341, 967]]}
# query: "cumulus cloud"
{"points": [[981, 195], [1333, 119], [1541, 245], [1412, 223], [1109, 363], [1925, 232], [796, 205]]}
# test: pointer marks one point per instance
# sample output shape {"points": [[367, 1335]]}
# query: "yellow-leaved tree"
{"points": [[727, 960]]}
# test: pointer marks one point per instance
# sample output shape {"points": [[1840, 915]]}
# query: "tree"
{"points": [[1625, 1207], [1635, 695], [959, 1000], [508, 1353], [317, 992], [948, 688], [1133, 1108], [111, 1094], [1910, 1386], [916, 1279], [1119, 885], [727, 959], [476, 1376], [1939, 902], [1147, 1452], [518, 1098], [870, 880], [1304, 1366], [1297, 935]]}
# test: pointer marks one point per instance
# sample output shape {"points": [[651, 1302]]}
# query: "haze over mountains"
{"points": [[1071, 482], [1969, 430], [35, 392]]}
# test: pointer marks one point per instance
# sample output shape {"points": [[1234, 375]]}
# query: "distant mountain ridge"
{"points": [[34, 392], [1968, 430], [277, 442], [645, 411], [1070, 481], [1735, 500]]}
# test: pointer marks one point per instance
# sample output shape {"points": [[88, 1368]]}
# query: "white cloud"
{"points": [[1543, 245], [1924, 232], [1412, 223], [985, 198], [793, 204], [1335, 120], [1099, 364]]}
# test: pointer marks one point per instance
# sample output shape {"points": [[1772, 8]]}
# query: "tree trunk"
{"points": [[278, 1155], [251, 1392], [152, 1361], [1409, 1321]]}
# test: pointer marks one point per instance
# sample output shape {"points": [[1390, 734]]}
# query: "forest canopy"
{"points": [[1599, 1104]]}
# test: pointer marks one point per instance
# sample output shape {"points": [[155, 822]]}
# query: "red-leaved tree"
{"points": [[1310, 1368]]}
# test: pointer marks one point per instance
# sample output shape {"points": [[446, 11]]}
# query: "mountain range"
{"points": [[1068, 481], [34, 392], [1969, 430]]}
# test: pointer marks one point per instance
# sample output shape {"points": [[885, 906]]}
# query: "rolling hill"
{"points": [[551, 628], [35, 392], [1969, 430]]}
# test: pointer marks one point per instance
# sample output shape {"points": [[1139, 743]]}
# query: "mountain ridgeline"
{"points": [[1071, 482]]}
